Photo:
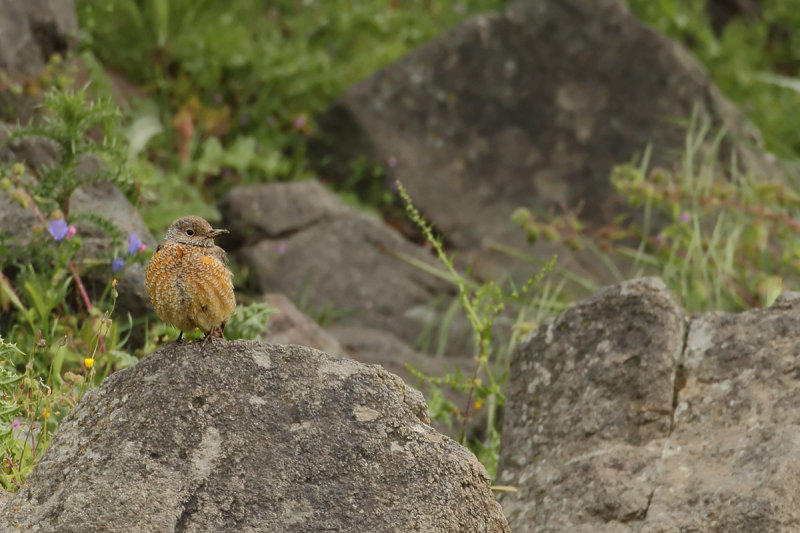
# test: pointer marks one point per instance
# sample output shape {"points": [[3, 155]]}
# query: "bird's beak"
{"points": [[216, 233]]}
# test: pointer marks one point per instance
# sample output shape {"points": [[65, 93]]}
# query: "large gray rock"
{"points": [[255, 213], [375, 347], [620, 418], [532, 107], [32, 31], [733, 456], [588, 407], [106, 200], [244, 436], [341, 265]]}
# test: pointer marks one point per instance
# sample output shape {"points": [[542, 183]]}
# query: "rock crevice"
{"points": [[700, 434]]}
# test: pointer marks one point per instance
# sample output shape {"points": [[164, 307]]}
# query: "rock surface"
{"points": [[375, 347], [244, 436], [288, 325], [532, 107], [341, 264], [32, 31], [621, 417], [733, 457], [106, 200]]}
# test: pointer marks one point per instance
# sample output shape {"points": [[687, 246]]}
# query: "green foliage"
{"points": [[720, 239], [751, 60], [64, 342], [249, 321], [30, 411], [73, 121], [481, 303], [238, 84]]}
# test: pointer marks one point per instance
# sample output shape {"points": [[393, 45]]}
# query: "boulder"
{"points": [[258, 212], [341, 265], [288, 325], [623, 416], [245, 436], [532, 108], [106, 200], [32, 31], [375, 347], [732, 461], [588, 408]]}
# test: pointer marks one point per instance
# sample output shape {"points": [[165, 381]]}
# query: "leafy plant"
{"points": [[744, 59], [73, 123], [721, 239], [481, 303], [64, 340]]}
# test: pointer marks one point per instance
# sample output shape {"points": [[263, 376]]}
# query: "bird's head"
{"points": [[194, 231]]}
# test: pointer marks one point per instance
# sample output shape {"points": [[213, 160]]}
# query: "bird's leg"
{"points": [[209, 337], [180, 338], [222, 330]]}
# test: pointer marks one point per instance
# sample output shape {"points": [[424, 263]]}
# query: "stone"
{"points": [[588, 410], [733, 457], [106, 200], [30, 33], [246, 436], [288, 325], [35, 152], [623, 416], [256, 212], [376, 347], [530, 108], [343, 266]]}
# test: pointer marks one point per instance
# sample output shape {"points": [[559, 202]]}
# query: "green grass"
{"points": [[754, 62]]}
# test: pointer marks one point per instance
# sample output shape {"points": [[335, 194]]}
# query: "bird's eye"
{"points": [[189, 232]]}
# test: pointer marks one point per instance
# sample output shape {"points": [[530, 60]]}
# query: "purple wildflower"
{"points": [[685, 217], [71, 231], [133, 244], [299, 122], [392, 162], [15, 424], [58, 229], [117, 264]]}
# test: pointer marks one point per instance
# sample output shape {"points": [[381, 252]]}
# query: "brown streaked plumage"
{"points": [[188, 278]]}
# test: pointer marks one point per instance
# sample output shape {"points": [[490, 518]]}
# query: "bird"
{"points": [[188, 279]]}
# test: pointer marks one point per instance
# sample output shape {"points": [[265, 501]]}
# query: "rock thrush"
{"points": [[188, 279]]}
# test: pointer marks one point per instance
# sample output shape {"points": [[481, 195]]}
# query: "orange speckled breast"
{"points": [[190, 287]]}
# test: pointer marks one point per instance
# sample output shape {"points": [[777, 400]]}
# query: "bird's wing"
{"points": [[220, 254]]}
